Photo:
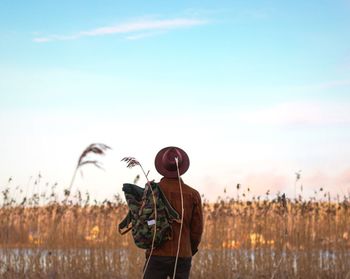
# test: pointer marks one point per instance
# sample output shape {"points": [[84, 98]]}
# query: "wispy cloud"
{"points": [[139, 36], [128, 28]]}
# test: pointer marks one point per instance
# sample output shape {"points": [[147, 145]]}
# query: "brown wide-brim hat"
{"points": [[165, 161]]}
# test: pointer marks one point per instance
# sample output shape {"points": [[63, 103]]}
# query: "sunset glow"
{"points": [[253, 92]]}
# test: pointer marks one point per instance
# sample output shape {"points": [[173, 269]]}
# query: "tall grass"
{"points": [[277, 238]]}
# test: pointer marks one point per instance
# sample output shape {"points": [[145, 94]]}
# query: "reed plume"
{"points": [[94, 148]]}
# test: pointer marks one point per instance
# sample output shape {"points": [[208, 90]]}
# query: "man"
{"points": [[170, 162]]}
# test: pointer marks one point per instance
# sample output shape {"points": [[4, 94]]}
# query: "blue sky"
{"points": [[252, 90]]}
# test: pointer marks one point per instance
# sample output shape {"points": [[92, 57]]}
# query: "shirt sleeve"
{"points": [[196, 223]]}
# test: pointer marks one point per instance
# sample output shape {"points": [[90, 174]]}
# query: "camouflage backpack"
{"points": [[141, 216]]}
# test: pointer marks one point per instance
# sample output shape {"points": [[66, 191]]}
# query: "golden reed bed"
{"points": [[251, 239]]}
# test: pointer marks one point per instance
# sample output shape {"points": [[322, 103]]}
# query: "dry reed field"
{"points": [[260, 238]]}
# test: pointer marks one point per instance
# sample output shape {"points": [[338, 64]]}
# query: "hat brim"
{"points": [[167, 173]]}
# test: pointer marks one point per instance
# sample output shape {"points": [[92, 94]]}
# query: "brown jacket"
{"points": [[192, 228]]}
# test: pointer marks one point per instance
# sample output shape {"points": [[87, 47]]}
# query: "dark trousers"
{"points": [[159, 267]]}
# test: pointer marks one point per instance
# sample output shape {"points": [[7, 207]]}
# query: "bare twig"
{"points": [[276, 269]]}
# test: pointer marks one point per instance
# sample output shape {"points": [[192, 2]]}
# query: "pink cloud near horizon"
{"points": [[279, 182], [263, 181]]}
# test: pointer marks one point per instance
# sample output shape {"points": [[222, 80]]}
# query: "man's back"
{"points": [[192, 222]]}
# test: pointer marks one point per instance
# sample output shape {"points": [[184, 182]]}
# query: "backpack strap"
{"points": [[125, 225], [173, 214]]}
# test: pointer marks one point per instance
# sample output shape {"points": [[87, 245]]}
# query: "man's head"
{"points": [[165, 161]]}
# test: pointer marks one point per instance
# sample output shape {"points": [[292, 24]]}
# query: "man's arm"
{"points": [[196, 223]]}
